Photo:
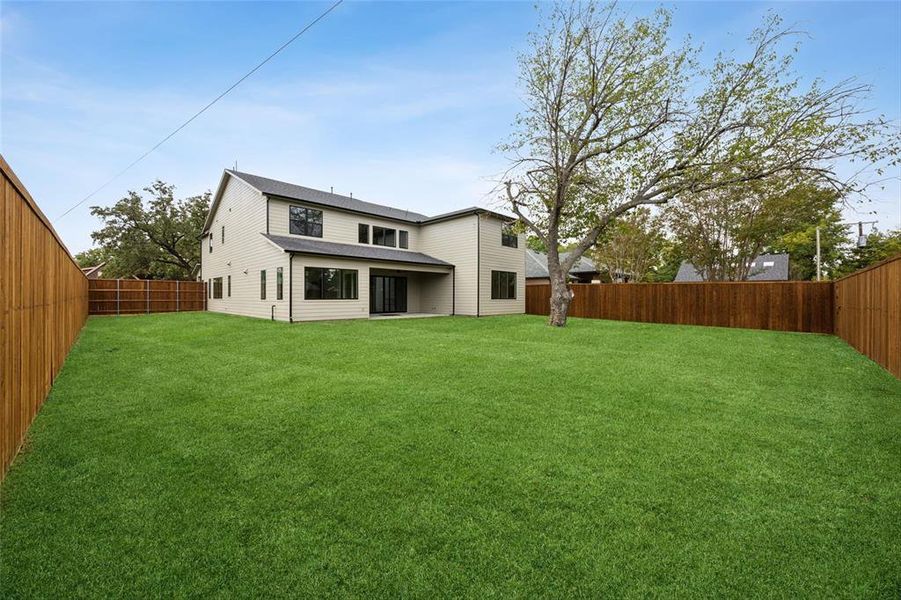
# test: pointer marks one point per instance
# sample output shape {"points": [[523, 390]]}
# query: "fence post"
{"points": [[118, 299], [147, 285], [177, 295]]}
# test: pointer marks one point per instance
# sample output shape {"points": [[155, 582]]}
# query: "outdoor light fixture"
{"points": [[861, 238], [861, 243]]}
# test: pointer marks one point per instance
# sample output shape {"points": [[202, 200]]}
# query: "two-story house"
{"points": [[277, 250]]}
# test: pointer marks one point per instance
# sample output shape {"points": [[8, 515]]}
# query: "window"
{"points": [[508, 237], [223, 234], [503, 285], [211, 241], [279, 284], [330, 284], [305, 221], [262, 285], [768, 263], [217, 287], [209, 288], [404, 239], [229, 286], [364, 233], [382, 236]]}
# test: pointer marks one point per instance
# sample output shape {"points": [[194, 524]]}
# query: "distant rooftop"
{"points": [[766, 267], [536, 264]]}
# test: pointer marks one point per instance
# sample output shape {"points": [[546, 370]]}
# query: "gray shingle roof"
{"points": [[536, 264], [761, 269], [320, 248], [273, 187]]}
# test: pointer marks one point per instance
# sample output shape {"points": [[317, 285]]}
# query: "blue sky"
{"points": [[399, 103]]}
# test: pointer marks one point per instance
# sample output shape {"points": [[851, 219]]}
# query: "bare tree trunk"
{"points": [[560, 298]]}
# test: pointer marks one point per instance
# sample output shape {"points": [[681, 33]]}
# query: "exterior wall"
{"points": [[242, 210], [455, 241], [337, 226], [494, 256], [424, 279]]}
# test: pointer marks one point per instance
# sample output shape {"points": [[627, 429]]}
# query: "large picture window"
{"points": [[279, 284], [382, 236], [503, 285], [305, 221], [217, 287], [509, 238], [330, 284]]}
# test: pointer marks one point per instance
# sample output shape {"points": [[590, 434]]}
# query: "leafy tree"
{"points": [[722, 230], [91, 257], [616, 118], [880, 246], [670, 259], [631, 246], [534, 243], [155, 239], [801, 245]]}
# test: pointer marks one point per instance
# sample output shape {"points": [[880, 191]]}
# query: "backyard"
{"points": [[199, 454]]}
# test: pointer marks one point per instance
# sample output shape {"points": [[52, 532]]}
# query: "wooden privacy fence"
{"points": [[141, 296], [868, 312], [778, 305], [44, 303]]}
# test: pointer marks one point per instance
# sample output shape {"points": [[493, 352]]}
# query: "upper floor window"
{"points": [[305, 221], [509, 237], [217, 287], [211, 241], [382, 236], [330, 284], [363, 233], [223, 234], [404, 239], [503, 285]]}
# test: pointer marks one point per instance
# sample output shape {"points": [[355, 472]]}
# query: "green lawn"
{"points": [[201, 454]]}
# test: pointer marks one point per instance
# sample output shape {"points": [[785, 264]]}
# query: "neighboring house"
{"points": [[766, 267], [583, 271], [277, 250], [95, 272]]}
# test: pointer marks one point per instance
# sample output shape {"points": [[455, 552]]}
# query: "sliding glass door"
{"points": [[387, 294]]}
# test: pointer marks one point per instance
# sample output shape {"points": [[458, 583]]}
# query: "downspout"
{"points": [[453, 290], [478, 263], [290, 287]]}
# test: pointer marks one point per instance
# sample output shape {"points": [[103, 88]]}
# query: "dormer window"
{"points": [[305, 221]]}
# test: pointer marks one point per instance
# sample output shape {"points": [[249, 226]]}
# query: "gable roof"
{"points": [[536, 264], [320, 248], [290, 191], [777, 271]]}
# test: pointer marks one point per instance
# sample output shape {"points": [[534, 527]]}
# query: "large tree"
{"points": [[721, 231], [616, 117], [156, 238], [631, 247]]}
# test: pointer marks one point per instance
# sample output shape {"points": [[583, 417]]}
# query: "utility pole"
{"points": [[819, 258]]}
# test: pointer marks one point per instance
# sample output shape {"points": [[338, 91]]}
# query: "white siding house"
{"points": [[275, 250]]}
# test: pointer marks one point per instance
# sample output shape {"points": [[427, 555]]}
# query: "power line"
{"points": [[204, 109]]}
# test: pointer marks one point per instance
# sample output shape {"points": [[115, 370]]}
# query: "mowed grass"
{"points": [[207, 455]]}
